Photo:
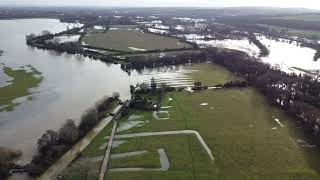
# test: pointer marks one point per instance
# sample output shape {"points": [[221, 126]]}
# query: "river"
{"points": [[71, 84]]}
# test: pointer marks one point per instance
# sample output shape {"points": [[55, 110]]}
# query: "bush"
{"points": [[88, 120], [68, 133]]}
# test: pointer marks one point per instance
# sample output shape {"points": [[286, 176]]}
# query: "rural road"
{"points": [[70, 155]]}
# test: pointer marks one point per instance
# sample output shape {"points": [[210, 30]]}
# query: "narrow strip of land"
{"points": [[104, 165], [70, 155], [203, 143]]}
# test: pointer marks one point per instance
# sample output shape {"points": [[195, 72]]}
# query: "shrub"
{"points": [[88, 120], [68, 133]]}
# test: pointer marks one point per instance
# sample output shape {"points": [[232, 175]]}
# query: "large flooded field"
{"points": [[70, 84], [289, 56]]}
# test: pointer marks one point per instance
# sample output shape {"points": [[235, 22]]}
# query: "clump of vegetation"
{"points": [[53, 144], [24, 79], [6, 164]]}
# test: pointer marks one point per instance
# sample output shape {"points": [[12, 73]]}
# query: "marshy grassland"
{"points": [[23, 79]]}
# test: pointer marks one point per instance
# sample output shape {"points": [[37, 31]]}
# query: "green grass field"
{"points": [[23, 80], [239, 127], [131, 40]]}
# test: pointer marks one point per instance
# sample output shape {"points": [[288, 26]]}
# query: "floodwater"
{"points": [[286, 55], [71, 84], [65, 39], [241, 45]]}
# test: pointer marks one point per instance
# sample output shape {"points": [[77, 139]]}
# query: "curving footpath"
{"points": [[70, 155], [164, 133]]}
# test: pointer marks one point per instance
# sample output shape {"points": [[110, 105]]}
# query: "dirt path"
{"points": [[164, 161], [203, 143], [104, 165], [69, 156]]}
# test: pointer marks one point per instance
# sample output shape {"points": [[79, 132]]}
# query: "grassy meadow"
{"points": [[240, 129], [131, 40]]}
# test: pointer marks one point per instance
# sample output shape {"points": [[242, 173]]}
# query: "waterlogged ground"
{"points": [[285, 55], [19, 86]]}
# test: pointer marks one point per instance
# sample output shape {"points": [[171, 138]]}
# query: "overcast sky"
{"points": [[313, 4]]}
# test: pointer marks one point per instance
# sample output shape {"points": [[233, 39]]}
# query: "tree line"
{"points": [[53, 144]]}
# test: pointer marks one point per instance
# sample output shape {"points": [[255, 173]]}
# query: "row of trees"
{"points": [[53, 144], [264, 51]]}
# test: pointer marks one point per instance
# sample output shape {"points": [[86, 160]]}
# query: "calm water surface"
{"points": [[71, 84]]}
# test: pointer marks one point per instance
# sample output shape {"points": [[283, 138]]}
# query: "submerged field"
{"points": [[249, 138], [131, 40], [23, 79]]}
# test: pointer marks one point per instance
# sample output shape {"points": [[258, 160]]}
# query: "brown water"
{"points": [[71, 84]]}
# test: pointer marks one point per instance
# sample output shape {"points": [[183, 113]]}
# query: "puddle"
{"points": [[274, 128], [204, 104], [278, 121], [189, 89], [136, 49], [130, 124], [134, 117], [303, 143], [158, 31], [166, 107], [156, 115], [116, 144]]}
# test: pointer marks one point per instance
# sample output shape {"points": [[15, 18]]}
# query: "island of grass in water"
{"points": [[23, 79]]}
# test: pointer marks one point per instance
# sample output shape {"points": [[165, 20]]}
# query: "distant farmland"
{"points": [[131, 40]]}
